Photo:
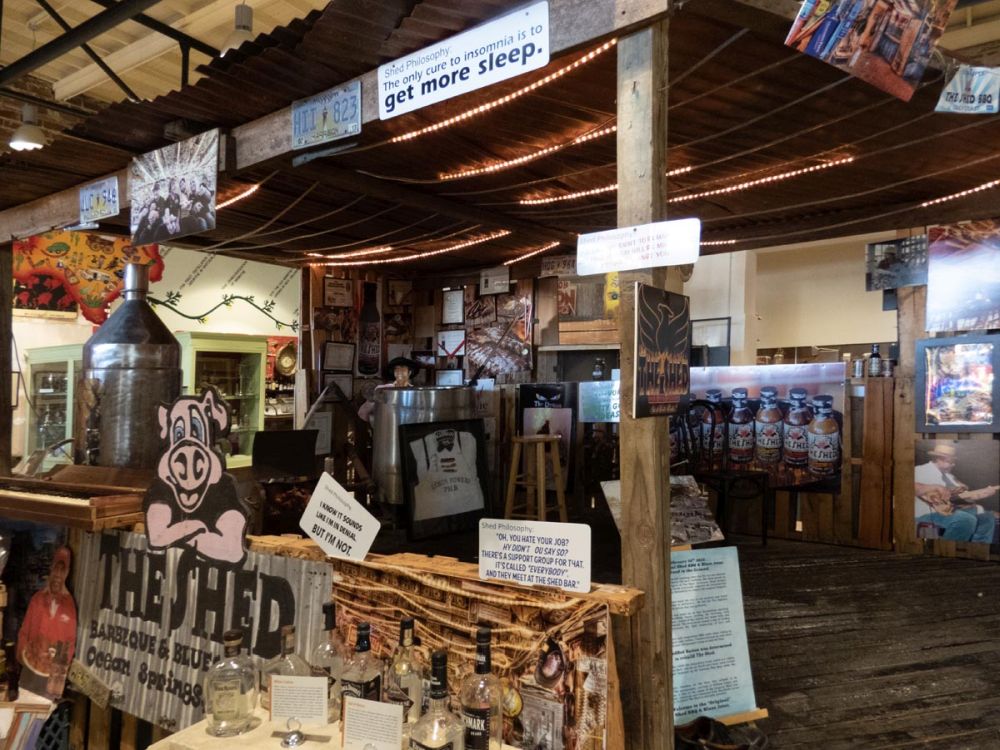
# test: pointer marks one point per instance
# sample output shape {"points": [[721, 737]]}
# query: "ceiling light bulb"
{"points": [[242, 29], [28, 137]]}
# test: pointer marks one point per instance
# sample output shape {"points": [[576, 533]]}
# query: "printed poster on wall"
{"points": [[151, 623], [662, 351], [172, 189], [963, 276], [885, 44], [550, 409], [893, 264]]}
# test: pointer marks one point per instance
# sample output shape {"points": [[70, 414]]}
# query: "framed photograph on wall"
{"points": [[956, 389], [448, 377], [338, 356], [453, 307], [344, 380], [444, 476], [338, 292]]}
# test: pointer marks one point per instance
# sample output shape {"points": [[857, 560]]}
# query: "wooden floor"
{"points": [[859, 649]]}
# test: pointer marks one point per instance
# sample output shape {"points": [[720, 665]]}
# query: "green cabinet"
{"points": [[51, 379]]}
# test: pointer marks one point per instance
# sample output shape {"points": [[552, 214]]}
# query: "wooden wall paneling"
{"points": [[130, 731], [875, 506], [99, 729], [911, 315], [78, 722]]}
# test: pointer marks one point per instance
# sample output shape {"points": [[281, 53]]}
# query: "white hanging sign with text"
{"points": [[664, 243], [971, 91], [535, 553], [337, 522], [505, 47]]}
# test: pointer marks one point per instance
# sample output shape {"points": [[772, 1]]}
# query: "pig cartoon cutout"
{"points": [[193, 501]]}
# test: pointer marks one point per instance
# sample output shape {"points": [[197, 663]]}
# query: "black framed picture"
{"points": [[956, 390], [337, 356], [444, 476]]}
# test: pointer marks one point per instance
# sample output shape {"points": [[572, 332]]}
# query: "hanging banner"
{"points": [[971, 91], [99, 200], [505, 47], [663, 243], [151, 623], [328, 116]]}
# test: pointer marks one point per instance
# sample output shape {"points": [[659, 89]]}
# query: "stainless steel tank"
{"points": [[130, 365], [396, 406]]}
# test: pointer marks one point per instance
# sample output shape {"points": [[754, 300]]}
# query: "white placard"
{"points": [[494, 280], [505, 47], [305, 699], [328, 116], [535, 553], [371, 725], [449, 377], [664, 243], [453, 307], [971, 91], [451, 343], [99, 200], [337, 522]]}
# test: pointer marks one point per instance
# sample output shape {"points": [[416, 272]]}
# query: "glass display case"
{"points": [[51, 377]]}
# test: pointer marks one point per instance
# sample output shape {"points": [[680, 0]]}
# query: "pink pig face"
{"points": [[190, 466]]}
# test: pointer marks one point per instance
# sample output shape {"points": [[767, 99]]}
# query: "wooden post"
{"points": [[643, 642], [6, 365]]}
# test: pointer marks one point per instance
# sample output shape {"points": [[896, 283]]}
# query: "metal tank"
{"points": [[130, 366], [396, 406]]}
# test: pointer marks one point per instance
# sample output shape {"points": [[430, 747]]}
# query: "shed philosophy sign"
{"points": [[151, 622], [505, 47]]}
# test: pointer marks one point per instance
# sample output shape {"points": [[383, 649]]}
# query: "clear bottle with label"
{"points": [[796, 438], [875, 362], [480, 698], [287, 663], [824, 439], [362, 676], [404, 682], [715, 444], [740, 429], [329, 657], [768, 426], [369, 333], [230, 689], [439, 728]]}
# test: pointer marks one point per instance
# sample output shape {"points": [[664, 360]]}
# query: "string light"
{"points": [[585, 193], [738, 187], [239, 196], [418, 256], [530, 253], [518, 161], [962, 194], [717, 243], [487, 106], [355, 253]]}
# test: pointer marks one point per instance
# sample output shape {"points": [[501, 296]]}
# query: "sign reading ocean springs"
{"points": [[151, 623]]}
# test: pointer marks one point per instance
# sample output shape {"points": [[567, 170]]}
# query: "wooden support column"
{"points": [[6, 361], [643, 642]]}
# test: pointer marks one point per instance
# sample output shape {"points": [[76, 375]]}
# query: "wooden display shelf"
{"points": [[579, 347], [90, 508]]}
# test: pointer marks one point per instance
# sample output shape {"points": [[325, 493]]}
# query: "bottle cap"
{"points": [[329, 615], [714, 395], [768, 392], [823, 402], [364, 628], [797, 394], [439, 660], [232, 637], [740, 393], [483, 636]]}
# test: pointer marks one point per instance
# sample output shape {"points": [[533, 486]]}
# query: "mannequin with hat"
{"points": [[400, 371], [948, 503]]}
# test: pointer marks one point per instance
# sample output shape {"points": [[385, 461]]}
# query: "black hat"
{"points": [[401, 362]]}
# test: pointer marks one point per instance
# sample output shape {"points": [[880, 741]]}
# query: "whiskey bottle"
{"points": [[439, 728], [230, 689], [767, 427], [797, 421], [740, 429], [287, 663], [875, 362], [480, 698], [404, 681], [362, 677], [329, 657]]}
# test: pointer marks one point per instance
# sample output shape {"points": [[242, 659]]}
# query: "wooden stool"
{"points": [[515, 480]]}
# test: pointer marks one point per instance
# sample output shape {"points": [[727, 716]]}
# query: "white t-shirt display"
{"points": [[447, 475]]}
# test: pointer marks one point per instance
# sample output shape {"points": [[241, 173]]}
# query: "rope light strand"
{"points": [[239, 196], [586, 193], [419, 256], [741, 186], [961, 194], [718, 243], [531, 253]]}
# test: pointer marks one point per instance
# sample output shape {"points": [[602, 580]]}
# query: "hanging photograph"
{"points": [[172, 190], [479, 311], [963, 276], [338, 292], [886, 44], [956, 485], [502, 349], [453, 307], [893, 264], [444, 475], [956, 386], [341, 323], [662, 351]]}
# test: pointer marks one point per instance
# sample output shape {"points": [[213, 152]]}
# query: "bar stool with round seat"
{"points": [[535, 504]]}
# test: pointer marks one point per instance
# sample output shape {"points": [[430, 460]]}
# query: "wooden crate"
{"points": [[599, 331]]}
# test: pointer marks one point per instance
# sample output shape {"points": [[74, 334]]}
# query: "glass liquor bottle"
{"points": [[797, 421], [329, 657], [875, 362], [403, 679], [362, 676], [287, 663], [740, 429], [439, 728], [230, 689], [767, 427], [824, 439], [480, 698]]}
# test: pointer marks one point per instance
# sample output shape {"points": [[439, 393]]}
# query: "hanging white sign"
{"points": [[494, 280], [971, 91], [333, 114], [505, 47], [99, 200], [664, 243]]}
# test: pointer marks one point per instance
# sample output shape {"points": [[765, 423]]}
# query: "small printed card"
{"points": [[305, 699], [337, 522], [370, 724]]}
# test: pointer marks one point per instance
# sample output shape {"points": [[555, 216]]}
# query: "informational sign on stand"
{"points": [[371, 725], [971, 91], [535, 553], [505, 47], [329, 116], [663, 243], [711, 659], [337, 522], [99, 200], [305, 699]]}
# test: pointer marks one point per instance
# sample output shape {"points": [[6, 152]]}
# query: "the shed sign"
{"points": [[505, 47], [151, 623]]}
